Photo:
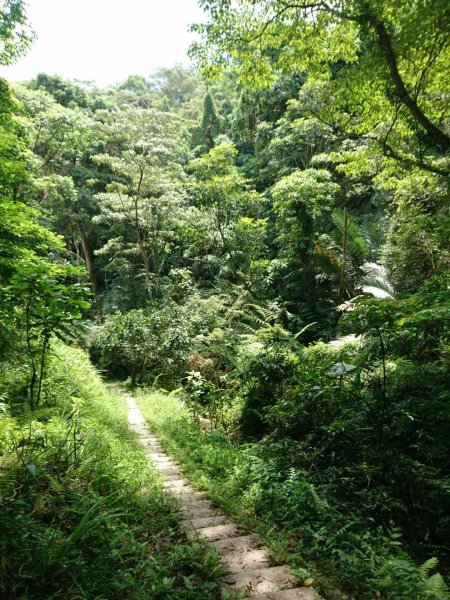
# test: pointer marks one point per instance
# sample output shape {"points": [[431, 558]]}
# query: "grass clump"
{"points": [[83, 515]]}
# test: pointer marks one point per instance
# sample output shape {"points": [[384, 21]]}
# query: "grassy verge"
{"points": [[83, 515], [345, 557]]}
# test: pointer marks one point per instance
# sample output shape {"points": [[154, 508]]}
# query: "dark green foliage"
{"points": [[210, 122], [64, 92], [265, 379], [317, 519]]}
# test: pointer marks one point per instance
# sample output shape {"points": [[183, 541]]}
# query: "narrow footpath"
{"points": [[250, 572]]}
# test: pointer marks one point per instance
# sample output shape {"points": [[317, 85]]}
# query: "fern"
{"points": [[376, 287]]}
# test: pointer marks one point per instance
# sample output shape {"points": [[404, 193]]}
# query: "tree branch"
{"points": [[437, 136]]}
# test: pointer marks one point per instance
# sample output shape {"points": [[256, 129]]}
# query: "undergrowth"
{"points": [[346, 554], [83, 515]]}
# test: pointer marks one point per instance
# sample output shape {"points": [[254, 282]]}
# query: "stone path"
{"points": [[251, 574]]}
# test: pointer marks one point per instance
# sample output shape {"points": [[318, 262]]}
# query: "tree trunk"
{"points": [[89, 260], [147, 262], [344, 257]]}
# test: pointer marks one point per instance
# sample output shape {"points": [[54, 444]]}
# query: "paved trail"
{"points": [[251, 574]]}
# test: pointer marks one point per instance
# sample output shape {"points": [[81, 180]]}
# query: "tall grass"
{"points": [[82, 513]]}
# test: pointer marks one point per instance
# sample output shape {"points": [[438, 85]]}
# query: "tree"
{"points": [[229, 204], [210, 122], [60, 139], [66, 93], [39, 298], [379, 71], [15, 33], [13, 170], [47, 301], [145, 152], [301, 201], [177, 85], [54, 131]]}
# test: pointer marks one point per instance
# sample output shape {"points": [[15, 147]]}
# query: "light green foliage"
{"points": [[15, 33], [410, 582], [202, 454], [378, 69], [152, 344], [154, 340], [180, 90], [40, 298], [12, 163], [23, 241], [140, 204], [416, 246], [42, 303], [225, 225], [225, 197], [299, 200], [53, 130]]}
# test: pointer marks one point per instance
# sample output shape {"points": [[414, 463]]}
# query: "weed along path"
{"points": [[250, 572]]}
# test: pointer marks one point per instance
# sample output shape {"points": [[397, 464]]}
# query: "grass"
{"points": [[300, 525], [83, 515], [213, 462]]}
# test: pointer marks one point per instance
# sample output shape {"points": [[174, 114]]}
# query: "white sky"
{"points": [[106, 40]]}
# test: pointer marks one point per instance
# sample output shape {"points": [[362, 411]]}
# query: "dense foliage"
{"points": [[218, 237], [83, 515]]}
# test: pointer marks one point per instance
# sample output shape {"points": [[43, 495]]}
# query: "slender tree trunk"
{"points": [[89, 261], [41, 371], [344, 257], [30, 352], [133, 374], [147, 264], [143, 369]]}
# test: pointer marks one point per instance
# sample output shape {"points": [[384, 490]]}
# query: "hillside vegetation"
{"points": [[259, 247]]}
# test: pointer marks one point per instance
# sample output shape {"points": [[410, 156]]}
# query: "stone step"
{"points": [[244, 555], [169, 471], [177, 476], [201, 503], [256, 582], [178, 485], [242, 543], [165, 465], [304, 593], [155, 449], [155, 456], [203, 522], [189, 496], [240, 560], [199, 510], [216, 532], [163, 462]]}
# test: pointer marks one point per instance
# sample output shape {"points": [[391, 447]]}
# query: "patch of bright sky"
{"points": [[104, 41]]}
